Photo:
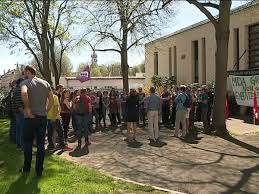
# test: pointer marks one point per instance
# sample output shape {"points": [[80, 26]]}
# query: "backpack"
{"points": [[188, 101], [80, 108]]}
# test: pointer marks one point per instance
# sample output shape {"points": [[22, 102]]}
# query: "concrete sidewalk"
{"points": [[206, 166]]}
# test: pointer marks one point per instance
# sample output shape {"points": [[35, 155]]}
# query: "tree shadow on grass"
{"points": [[21, 185]]}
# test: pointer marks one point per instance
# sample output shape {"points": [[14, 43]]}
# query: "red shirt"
{"points": [[86, 100]]}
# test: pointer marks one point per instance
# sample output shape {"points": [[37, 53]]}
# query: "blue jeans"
{"points": [[19, 117], [34, 127], [82, 123]]}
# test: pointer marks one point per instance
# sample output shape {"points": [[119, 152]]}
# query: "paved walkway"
{"points": [[206, 166]]}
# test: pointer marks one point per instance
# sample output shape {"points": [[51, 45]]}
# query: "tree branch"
{"points": [[209, 4], [205, 11], [106, 50]]}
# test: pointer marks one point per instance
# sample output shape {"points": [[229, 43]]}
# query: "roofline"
{"points": [[198, 24]]}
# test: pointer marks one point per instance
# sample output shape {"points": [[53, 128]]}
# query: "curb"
{"points": [[142, 184]]}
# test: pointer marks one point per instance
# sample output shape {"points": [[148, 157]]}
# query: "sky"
{"points": [[186, 15]]}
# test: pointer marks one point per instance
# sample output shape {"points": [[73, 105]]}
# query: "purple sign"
{"points": [[84, 75]]}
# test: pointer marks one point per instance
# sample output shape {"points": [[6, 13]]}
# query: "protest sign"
{"points": [[84, 75], [243, 87]]}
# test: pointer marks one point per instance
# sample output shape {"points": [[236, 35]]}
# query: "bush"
{"points": [[3, 110], [159, 81]]}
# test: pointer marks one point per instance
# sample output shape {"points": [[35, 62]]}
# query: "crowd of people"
{"points": [[38, 109]]}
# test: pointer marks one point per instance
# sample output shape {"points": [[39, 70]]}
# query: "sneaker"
{"points": [[66, 148]]}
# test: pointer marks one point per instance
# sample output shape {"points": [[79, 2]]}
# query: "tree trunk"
{"points": [[125, 69], [124, 61], [222, 39], [46, 67], [54, 63], [45, 42]]}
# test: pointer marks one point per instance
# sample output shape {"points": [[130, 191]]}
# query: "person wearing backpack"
{"points": [[83, 109], [181, 111]]}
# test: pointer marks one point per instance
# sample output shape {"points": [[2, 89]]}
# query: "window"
{"points": [[175, 64], [203, 60], [236, 48], [155, 63], [170, 62], [196, 61], [254, 46]]}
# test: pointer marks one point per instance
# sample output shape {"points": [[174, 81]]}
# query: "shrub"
{"points": [[3, 111]]}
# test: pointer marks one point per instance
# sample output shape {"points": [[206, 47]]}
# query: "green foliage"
{"points": [[3, 94], [109, 70], [158, 81], [66, 66], [194, 86], [60, 176]]}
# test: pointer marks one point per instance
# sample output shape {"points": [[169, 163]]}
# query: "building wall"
{"points": [[206, 58], [101, 83]]}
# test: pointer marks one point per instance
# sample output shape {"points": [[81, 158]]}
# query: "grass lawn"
{"points": [[60, 176]]}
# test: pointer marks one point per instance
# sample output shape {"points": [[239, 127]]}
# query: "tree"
{"points": [[126, 24], [26, 22], [221, 25], [62, 17], [65, 67], [133, 70]]}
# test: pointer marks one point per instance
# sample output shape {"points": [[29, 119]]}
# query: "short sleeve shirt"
{"points": [[38, 90], [52, 114]]}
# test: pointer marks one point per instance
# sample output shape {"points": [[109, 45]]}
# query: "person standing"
{"points": [[55, 124], [105, 106], [173, 111], [75, 94], [153, 107], [100, 109], [35, 93], [17, 108], [132, 108], [204, 109], [118, 100], [83, 109], [188, 105], [113, 108], [65, 111], [166, 97], [181, 111], [60, 89], [141, 97], [123, 98]]}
